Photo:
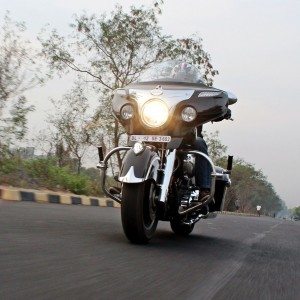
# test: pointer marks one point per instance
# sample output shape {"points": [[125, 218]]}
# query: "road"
{"points": [[51, 251]]}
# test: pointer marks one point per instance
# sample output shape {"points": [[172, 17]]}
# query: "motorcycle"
{"points": [[157, 175]]}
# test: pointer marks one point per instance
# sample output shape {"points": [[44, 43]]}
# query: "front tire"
{"points": [[138, 211]]}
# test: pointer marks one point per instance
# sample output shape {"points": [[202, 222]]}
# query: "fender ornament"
{"points": [[158, 91]]}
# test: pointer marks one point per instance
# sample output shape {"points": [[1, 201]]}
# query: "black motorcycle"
{"points": [[158, 170]]}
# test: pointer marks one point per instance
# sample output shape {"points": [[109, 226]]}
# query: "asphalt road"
{"points": [[55, 251]]}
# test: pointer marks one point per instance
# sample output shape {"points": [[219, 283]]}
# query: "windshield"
{"points": [[173, 71]]}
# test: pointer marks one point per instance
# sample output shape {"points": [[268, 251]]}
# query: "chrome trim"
{"points": [[195, 220], [152, 164], [223, 199], [213, 175], [195, 207], [210, 93], [138, 148], [168, 172], [157, 91], [170, 97], [228, 183], [102, 165], [130, 177]]}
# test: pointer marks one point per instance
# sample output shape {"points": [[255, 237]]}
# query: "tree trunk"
{"points": [[78, 165]]}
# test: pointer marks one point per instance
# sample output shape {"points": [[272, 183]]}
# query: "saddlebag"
{"points": [[222, 183]]}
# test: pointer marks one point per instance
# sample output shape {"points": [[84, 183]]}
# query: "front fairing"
{"points": [[176, 96]]}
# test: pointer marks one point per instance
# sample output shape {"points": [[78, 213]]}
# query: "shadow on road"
{"points": [[165, 240]]}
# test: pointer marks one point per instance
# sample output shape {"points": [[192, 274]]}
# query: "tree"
{"points": [[112, 51], [19, 72], [71, 128], [250, 187], [216, 149], [296, 212]]}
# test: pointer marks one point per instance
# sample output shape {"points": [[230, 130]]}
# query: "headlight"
{"points": [[189, 114], [127, 112], [155, 113]]}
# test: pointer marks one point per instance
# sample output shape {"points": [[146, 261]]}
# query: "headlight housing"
{"points": [[189, 114], [127, 112], [155, 113]]}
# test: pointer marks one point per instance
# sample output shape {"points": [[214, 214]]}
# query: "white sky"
{"points": [[256, 47]]}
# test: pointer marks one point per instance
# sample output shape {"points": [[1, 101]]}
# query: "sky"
{"points": [[255, 45]]}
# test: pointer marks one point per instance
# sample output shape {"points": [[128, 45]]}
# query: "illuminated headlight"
{"points": [[189, 114], [155, 113], [127, 112]]}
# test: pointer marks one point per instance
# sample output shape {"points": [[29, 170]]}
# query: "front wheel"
{"points": [[138, 211]]}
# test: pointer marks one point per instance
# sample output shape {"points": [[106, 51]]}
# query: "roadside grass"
{"points": [[44, 173]]}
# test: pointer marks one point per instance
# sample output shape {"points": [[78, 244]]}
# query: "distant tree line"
{"points": [[250, 186], [295, 212]]}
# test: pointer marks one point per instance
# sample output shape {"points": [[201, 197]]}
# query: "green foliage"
{"points": [[215, 147], [70, 127], [48, 173], [19, 113], [94, 178], [19, 72], [8, 166], [250, 186], [77, 184], [296, 212], [45, 173]]}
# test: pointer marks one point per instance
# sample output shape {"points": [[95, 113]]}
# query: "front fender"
{"points": [[139, 168]]}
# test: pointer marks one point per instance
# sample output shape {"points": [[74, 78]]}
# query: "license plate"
{"points": [[150, 138]]}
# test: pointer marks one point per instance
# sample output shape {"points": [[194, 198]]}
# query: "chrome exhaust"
{"points": [[200, 205], [214, 174]]}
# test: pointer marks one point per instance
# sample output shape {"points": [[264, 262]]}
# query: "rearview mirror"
{"points": [[231, 98]]}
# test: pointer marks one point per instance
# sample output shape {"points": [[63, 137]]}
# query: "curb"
{"points": [[27, 195]]}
